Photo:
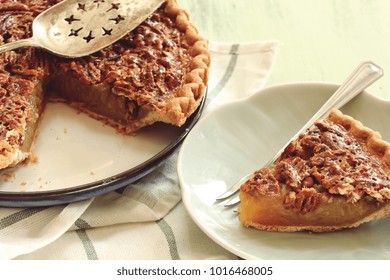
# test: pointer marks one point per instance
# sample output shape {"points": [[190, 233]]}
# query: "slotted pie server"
{"points": [[75, 28]]}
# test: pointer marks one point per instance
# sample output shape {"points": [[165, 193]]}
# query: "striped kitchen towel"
{"points": [[145, 220]]}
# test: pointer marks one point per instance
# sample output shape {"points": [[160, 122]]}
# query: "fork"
{"points": [[362, 77]]}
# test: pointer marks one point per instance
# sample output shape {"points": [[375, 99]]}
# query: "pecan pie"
{"points": [[156, 73], [335, 175]]}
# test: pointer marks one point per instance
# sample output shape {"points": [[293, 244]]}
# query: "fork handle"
{"points": [[363, 76], [17, 44]]}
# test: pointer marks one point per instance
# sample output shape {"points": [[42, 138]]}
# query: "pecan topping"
{"points": [[263, 182], [334, 160], [292, 171], [304, 201]]}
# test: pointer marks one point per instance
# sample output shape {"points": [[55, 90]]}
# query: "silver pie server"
{"points": [[75, 28]]}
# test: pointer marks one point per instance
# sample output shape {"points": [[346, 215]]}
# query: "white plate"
{"points": [[79, 158], [240, 137]]}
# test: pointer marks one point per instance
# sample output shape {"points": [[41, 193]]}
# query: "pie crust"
{"points": [[336, 175], [156, 73]]}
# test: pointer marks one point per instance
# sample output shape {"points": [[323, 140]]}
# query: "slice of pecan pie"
{"points": [[335, 175], [156, 73]]}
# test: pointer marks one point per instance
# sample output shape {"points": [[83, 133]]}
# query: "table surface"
{"points": [[320, 40]]}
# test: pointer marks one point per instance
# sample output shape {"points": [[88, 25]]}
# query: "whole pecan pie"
{"points": [[156, 73], [335, 175]]}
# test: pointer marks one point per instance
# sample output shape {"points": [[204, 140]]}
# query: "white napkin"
{"points": [[146, 220]]}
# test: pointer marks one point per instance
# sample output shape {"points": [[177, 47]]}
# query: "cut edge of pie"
{"points": [[271, 201]]}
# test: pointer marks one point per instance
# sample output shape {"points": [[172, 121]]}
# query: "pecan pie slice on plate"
{"points": [[336, 175], [156, 73]]}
